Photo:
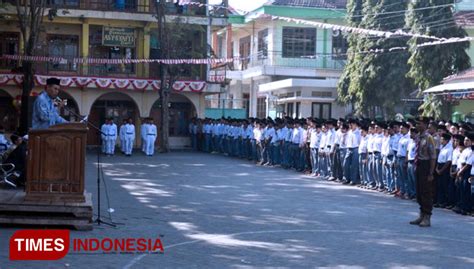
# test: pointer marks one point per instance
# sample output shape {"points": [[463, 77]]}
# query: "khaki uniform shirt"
{"points": [[427, 147]]}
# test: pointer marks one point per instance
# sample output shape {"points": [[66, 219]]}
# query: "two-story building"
{"points": [[108, 30], [285, 68]]}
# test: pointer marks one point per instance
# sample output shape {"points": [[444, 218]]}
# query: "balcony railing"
{"points": [[317, 61], [146, 71], [124, 6]]}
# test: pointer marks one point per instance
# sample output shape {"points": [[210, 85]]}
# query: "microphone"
{"points": [[57, 99]]}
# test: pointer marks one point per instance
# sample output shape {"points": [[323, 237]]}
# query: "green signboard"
{"points": [[118, 37]]}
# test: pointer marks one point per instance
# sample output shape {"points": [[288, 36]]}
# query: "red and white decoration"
{"points": [[108, 83], [113, 61]]}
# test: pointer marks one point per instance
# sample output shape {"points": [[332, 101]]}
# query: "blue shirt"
{"points": [[44, 113]]}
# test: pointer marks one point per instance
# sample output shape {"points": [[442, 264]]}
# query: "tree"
{"points": [[376, 80], [430, 65], [30, 15], [432, 106], [176, 41], [354, 11]]}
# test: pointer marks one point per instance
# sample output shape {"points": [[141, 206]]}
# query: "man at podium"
{"points": [[45, 114]]}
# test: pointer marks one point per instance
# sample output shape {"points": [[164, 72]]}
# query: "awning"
{"points": [[452, 87], [297, 83], [305, 99]]}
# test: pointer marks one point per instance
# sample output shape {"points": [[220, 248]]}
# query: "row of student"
{"points": [[375, 155], [126, 134]]}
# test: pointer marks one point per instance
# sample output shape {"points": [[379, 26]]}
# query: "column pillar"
{"points": [[146, 52], [85, 46], [253, 99]]}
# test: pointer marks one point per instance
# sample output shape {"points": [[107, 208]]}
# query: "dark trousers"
{"points": [[336, 168], [452, 191], [465, 192], [424, 188], [442, 182]]}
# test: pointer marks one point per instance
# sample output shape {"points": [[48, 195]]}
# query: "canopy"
{"points": [[451, 87]]}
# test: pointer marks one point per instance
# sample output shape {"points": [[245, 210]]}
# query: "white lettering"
{"points": [[59, 244], [34, 245], [19, 241], [47, 244]]}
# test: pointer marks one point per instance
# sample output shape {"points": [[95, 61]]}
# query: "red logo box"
{"points": [[39, 245]]}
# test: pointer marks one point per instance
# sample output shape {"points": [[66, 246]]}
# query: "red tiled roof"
{"points": [[338, 4], [467, 74], [465, 18]]}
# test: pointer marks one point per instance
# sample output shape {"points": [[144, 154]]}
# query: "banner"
{"points": [[138, 84], [118, 37]]}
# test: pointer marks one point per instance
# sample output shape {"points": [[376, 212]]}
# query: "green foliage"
{"points": [[431, 107], [354, 12], [375, 80], [430, 65]]}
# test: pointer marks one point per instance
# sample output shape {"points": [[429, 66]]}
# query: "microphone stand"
{"points": [[98, 220]]}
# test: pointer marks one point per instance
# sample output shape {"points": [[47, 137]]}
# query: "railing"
{"points": [[193, 73], [123, 5], [317, 61], [226, 103], [104, 70]]}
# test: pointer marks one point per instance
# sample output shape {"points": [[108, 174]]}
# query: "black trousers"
{"points": [[424, 188], [442, 183]]}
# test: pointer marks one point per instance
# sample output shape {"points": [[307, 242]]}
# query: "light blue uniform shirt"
{"points": [[44, 113]]}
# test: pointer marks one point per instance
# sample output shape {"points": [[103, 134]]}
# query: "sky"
{"points": [[246, 5]]}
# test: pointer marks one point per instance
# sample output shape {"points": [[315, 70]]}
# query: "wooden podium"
{"points": [[56, 162]]}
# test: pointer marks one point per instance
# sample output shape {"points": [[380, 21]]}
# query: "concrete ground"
{"points": [[213, 211]]}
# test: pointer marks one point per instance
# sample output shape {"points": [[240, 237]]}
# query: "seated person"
{"points": [[17, 157], [4, 143]]}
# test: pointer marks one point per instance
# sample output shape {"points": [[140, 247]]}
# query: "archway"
{"points": [[71, 109], [9, 115], [182, 110], [117, 105]]}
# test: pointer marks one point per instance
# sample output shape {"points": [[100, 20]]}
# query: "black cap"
{"points": [[446, 136], [470, 135], [459, 137], [53, 81], [425, 120]]}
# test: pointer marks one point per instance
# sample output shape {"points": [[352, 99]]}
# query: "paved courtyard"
{"points": [[218, 212]]}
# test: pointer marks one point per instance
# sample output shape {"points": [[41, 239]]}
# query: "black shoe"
{"points": [[436, 205], [345, 182], [457, 210]]}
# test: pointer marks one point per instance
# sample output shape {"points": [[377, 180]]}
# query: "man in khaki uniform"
{"points": [[425, 162]]}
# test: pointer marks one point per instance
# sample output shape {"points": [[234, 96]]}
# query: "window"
{"points": [[263, 44], [299, 42], [8, 45], [244, 50], [97, 50], [339, 45], [321, 110], [261, 107], [220, 46], [66, 46], [321, 94], [298, 105], [246, 104], [63, 3], [289, 110]]}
